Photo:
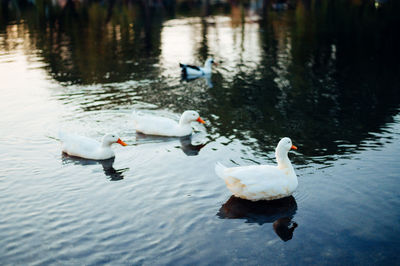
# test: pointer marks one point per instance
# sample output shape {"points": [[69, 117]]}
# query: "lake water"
{"points": [[325, 74]]}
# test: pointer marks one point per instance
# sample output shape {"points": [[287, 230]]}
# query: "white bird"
{"points": [[88, 148], [262, 182], [162, 126], [190, 71]]}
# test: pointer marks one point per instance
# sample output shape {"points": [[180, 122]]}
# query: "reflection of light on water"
{"points": [[182, 41], [379, 3], [178, 43], [333, 52], [284, 56], [24, 101], [238, 48], [61, 3]]}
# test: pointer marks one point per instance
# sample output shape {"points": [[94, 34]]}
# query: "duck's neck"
{"points": [[283, 161], [105, 145], [183, 123], [207, 66]]}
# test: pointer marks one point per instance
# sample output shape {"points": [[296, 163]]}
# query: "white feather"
{"points": [[262, 182], [88, 148], [163, 126]]}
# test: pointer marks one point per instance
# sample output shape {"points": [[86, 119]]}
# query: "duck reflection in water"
{"points": [[206, 77], [188, 148], [279, 212], [109, 170], [186, 142]]}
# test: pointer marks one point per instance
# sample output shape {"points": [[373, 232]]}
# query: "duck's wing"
{"points": [[191, 71], [193, 67], [189, 66], [255, 180], [77, 145], [254, 174], [154, 125]]}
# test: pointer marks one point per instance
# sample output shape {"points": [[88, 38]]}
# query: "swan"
{"points": [[84, 147], [262, 182], [162, 126]]}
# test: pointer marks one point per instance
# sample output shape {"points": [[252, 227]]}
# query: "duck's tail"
{"points": [[219, 169], [183, 70], [62, 135], [135, 116]]}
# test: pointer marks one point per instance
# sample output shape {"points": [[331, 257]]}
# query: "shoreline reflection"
{"points": [[267, 67], [108, 168], [278, 212]]}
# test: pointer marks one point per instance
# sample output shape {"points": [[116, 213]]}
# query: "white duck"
{"points": [[190, 71], [162, 126], [262, 182], [88, 148]]}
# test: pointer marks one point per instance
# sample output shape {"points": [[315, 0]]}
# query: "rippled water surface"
{"points": [[311, 72]]}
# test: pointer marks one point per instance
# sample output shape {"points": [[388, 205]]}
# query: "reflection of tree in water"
{"points": [[94, 43], [325, 82], [279, 212], [325, 78]]}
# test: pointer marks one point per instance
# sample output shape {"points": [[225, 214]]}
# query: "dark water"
{"points": [[324, 73]]}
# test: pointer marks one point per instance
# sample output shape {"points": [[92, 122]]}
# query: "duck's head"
{"points": [[209, 62], [281, 154], [285, 145], [109, 139], [191, 116]]}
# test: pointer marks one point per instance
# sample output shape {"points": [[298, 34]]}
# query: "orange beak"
{"points": [[200, 120], [121, 142], [215, 63], [293, 147]]}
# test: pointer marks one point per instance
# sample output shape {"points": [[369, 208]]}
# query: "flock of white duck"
{"points": [[254, 182]]}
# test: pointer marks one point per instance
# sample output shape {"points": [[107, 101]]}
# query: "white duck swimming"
{"points": [[162, 126], [88, 148], [262, 182], [190, 71]]}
